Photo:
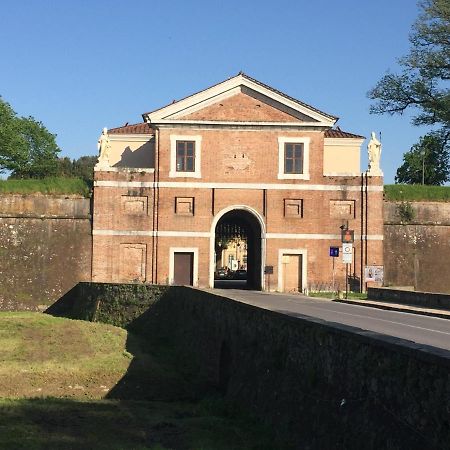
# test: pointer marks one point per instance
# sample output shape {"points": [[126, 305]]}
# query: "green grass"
{"points": [[34, 424], [333, 295], [68, 384], [49, 356], [56, 186], [415, 192]]}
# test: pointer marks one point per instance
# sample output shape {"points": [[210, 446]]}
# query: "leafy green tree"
{"points": [[423, 83], [27, 148], [82, 167], [65, 167], [427, 162]]}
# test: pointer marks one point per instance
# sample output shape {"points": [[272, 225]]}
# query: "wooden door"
{"points": [[292, 273], [183, 268]]}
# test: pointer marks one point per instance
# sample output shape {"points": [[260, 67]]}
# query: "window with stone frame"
{"points": [[185, 156], [293, 158]]}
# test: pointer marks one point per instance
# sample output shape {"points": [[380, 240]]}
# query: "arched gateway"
{"points": [[237, 247]]}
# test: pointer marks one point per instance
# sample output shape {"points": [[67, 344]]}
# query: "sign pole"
{"points": [[346, 281], [333, 275]]}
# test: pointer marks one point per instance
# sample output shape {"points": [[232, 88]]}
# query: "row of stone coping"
{"points": [[426, 353], [409, 297]]}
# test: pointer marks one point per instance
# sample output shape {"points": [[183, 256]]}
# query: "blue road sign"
{"points": [[334, 252]]}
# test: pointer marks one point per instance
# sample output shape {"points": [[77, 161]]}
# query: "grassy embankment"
{"points": [[55, 186], [416, 193], [64, 385], [334, 295]]}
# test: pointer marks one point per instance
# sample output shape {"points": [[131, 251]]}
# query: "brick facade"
{"points": [[143, 216]]}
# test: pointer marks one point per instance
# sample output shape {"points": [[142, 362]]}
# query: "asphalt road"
{"points": [[423, 330]]}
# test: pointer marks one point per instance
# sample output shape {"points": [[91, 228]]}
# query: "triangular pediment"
{"points": [[242, 100], [245, 105]]}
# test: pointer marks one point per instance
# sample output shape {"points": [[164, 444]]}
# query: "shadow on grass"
{"points": [[161, 402]]}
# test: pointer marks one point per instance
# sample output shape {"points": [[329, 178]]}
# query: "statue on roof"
{"points": [[103, 148], [374, 150]]}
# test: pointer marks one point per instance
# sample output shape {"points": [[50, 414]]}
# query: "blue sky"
{"points": [[81, 65]]}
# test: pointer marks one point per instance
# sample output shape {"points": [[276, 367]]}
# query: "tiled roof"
{"points": [[257, 82], [137, 128], [338, 133]]}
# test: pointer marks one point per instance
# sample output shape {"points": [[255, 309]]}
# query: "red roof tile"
{"points": [[137, 128], [338, 133]]}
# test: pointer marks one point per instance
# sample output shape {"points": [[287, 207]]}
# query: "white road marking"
{"points": [[382, 320]]}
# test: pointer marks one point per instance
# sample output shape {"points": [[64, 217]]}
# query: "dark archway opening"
{"points": [[237, 251]]}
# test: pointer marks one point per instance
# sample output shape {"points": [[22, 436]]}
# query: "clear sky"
{"points": [[81, 65]]}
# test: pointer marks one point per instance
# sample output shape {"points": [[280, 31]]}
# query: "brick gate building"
{"points": [[242, 157]]}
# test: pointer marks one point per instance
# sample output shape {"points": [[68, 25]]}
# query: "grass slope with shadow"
{"points": [[62, 387]]}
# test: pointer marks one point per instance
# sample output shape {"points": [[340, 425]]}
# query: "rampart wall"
{"points": [[45, 248], [417, 245]]}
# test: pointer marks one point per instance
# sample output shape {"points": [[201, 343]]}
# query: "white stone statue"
{"points": [[103, 149], [374, 150]]}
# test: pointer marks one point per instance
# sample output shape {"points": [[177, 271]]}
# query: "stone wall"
{"points": [[417, 245], [45, 248], [319, 384]]}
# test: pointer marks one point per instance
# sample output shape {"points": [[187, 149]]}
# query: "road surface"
{"points": [[413, 327]]}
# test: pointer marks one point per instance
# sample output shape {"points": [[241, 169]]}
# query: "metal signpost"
{"points": [[347, 238]]}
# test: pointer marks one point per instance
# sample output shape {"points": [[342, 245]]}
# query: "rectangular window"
{"points": [[185, 156], [293, 158]]}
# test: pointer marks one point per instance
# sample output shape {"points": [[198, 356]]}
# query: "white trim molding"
{"points": [[322, 236], [353, 142], [125, 169], [172, 251], [305, 163], [253, 186], [293, 251], [342, 174], [211, 234], [119, 137], [173, 156], [168, 233]]}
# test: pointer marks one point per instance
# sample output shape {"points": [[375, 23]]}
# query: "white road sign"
{"points": [[347, 249], [347, 253]]}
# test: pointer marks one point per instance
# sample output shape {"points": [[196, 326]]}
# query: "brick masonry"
{"points": [[239, 169], [46, 246]]}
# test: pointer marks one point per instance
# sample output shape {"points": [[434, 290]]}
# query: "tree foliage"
{"points": [[82, 167], [27, 148], [426, 163], [423, 83]]}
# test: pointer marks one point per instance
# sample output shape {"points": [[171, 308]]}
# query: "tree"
{"points": [[423, 83], [427, 162], [27, 148], [82, 167]]}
